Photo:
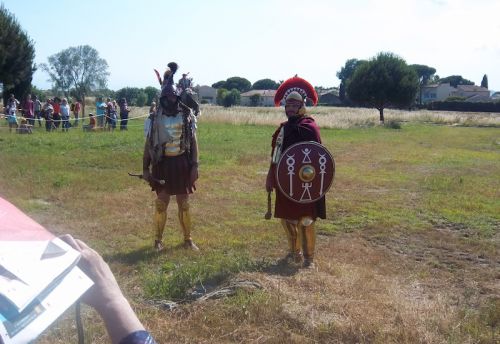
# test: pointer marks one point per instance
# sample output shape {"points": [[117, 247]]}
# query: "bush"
{"points": [[455, 99], [392, 124], [464, 106]]}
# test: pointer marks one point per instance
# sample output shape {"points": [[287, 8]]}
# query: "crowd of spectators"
{"points": [[55, 113]]}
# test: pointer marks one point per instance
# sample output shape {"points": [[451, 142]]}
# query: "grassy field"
{"points": [[409, 252]]}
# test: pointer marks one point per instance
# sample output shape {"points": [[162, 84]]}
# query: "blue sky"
{"points": [[276, 39]]}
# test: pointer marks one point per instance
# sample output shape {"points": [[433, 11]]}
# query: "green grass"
{"points": [[404, 177], [413, 179], [453, 171]]}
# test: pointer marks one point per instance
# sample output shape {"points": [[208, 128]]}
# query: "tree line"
{"points": [[385, 80]]}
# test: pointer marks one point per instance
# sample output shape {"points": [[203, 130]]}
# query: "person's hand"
{"points": [[193, 176], [269, 181], [105, 295], [146, 175], [105, 289]]}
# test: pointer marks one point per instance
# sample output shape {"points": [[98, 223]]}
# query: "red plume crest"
{"points": [[296, 84]]}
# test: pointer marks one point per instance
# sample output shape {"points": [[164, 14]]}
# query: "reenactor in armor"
{"points": [[171, 151], [302, 177]]}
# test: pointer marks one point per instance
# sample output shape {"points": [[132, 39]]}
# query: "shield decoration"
{"points": [[305, 172]]}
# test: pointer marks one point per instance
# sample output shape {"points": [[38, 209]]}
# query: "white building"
{"points": [[206, 94], [468, 91], [436, 92], [258, 98]]}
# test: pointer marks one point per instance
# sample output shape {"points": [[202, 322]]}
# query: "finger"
{"points": [[68, 239], [82, 244], [85, 247]]}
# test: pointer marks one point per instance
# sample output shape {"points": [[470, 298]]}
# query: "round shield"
{"points": [[305, 172]]}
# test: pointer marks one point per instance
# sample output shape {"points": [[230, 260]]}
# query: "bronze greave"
{"points": [[308, 237], [185, 219], [292, 236], [159, 218]]}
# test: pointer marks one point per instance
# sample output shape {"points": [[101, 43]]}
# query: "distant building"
{"points": [[436, 92], [206, 94], [440, 92], [258, 98], [479, 98], [329, 97], [469, 91]]}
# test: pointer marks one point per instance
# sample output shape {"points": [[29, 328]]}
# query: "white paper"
{"points": [[39, 315], [29, 267]]}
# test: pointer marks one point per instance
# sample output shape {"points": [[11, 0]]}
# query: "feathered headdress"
{"points": [[296, 84], [168, 79]]}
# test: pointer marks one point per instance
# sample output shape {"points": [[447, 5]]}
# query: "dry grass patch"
{"points": [[358, 294], [343, 118]]}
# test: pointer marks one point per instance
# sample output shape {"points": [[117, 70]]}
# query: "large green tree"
{"points": [[265, 84], [385, 80], [135, 96], [236, 82], [219, 84], [221, 95], [152, 93], [425, 74], [345, 73], [455, 80], [228, 98], [17, 54], [79, 69], [232, 98]]}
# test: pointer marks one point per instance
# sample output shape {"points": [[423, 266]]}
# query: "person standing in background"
{"points": [[28, 110], [76, 111], [100, 111], [56, 117], [124, 111], [37, 106], [65, 111]]}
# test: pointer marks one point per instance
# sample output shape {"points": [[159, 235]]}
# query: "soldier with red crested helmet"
{"points": [[297, 219]]}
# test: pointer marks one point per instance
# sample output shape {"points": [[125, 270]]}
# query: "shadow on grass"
{"points": [[282, 268], [143, 254]]}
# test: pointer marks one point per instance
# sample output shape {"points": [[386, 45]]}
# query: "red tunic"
{"points": [[297, 129]]}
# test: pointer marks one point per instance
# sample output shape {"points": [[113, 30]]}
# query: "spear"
{"points": [[140, 176], [269, 214]]}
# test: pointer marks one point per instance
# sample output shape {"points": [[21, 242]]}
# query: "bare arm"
{"points": [[146, 158], [194, 150], [105, 295], [194, 159]]}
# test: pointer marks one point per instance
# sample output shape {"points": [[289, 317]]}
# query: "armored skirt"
{"points": [[175, 171]]}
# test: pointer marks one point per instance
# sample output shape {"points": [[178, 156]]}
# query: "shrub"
{"points": [[392, 124]]}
